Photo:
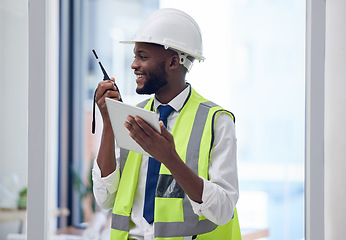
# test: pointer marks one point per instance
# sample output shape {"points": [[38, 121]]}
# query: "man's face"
{"points": [[149, 66]]}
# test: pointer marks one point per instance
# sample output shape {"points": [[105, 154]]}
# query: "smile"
{"points": [[139, 76]]}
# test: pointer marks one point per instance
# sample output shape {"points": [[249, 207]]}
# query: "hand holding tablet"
{"points": [[118, 113]]}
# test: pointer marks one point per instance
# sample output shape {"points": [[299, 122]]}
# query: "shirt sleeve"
{"points": [[105, 188], [221, 192]]}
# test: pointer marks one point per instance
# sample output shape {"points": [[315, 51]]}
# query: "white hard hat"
{"points": [[172, 29]]}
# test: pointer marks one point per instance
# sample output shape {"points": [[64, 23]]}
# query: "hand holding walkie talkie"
{"points": [[105, 77]]}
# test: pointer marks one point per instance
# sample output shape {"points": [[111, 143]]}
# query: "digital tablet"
{"points": [[118, 113]]}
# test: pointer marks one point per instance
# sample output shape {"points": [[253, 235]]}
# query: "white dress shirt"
{"points": [[220, 193]]}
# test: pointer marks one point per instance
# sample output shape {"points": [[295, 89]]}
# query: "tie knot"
{"points": [[165, 111]]}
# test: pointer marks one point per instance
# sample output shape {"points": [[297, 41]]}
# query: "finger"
{"points": [[135, 125], [101, 94], [109, 94], [115, 86], [103, 87], [145, 126], [112, 80], [112, 94], [107, 85], [134, 129]]}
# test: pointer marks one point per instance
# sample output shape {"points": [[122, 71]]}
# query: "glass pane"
{"points": [[269, 61], [99, 25], [13, 112], [109, 23], [255, 67]]}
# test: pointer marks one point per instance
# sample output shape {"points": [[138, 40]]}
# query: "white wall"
{"points": [[13, 104], [335, 120], [14, 88]]}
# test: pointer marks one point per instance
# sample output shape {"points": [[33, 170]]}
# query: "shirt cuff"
{"points": [[109, 182], [197, 207], [211, 204]]}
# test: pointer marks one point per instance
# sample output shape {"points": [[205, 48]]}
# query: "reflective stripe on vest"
{"points": [[195, 227], [120, 222]]}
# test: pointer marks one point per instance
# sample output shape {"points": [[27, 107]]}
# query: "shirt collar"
{"points": [[176, 103]]}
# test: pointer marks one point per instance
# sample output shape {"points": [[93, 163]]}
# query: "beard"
{"points": [[154, 80]]}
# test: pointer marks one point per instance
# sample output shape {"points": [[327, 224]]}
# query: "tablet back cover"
{"points": [[118, 112]]}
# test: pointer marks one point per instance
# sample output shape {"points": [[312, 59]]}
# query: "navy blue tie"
{"points": [[153, 173]]}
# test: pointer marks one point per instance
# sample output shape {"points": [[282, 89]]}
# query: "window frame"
{"points": [[40, 132], [314, 119]]}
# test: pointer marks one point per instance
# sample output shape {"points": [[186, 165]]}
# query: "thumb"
{"points": [[165, 132]]}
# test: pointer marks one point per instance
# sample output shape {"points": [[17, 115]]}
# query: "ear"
{"points": [[174, 62]]}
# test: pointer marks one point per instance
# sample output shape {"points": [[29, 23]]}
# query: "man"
{"points": [[189, 189]]}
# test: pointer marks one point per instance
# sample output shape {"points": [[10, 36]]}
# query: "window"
{"points": [[255, 67]]}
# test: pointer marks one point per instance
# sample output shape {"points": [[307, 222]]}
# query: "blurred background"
{"points": [[254, 67]]}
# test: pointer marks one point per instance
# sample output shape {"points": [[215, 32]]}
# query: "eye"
{"points": [[140, 55]]}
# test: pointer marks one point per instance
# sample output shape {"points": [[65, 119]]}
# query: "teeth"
{"points": [[139, 76]]}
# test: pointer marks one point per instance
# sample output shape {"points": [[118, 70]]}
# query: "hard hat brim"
{"points": [[165, 45]]}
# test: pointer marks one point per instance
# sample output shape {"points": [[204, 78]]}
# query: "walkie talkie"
{"points": [[105, 77]]}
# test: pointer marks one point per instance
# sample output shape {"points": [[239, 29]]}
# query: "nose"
{"points": [[134, 64]]}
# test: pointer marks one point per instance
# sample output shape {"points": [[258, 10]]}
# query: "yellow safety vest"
{"points": [[173, 215]]}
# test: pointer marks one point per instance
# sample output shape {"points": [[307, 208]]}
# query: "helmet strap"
{"points": [[187, 63]]}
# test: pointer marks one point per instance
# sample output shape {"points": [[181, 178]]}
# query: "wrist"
{"points": [[173, 161], [107, 125], [107, 131]]}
